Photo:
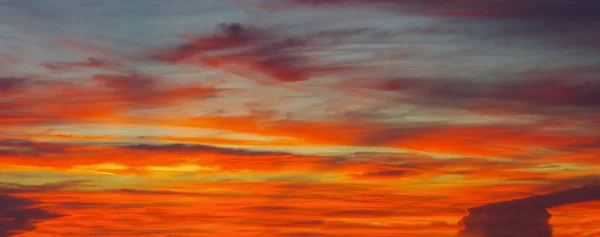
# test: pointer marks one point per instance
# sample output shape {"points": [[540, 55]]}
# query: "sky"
{"points": [[293, 118]]}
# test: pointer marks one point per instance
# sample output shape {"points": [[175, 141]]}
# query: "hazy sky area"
{"points": [[295, 118]]}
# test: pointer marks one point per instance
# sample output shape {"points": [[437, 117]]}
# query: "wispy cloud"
{"points": [[334, 118], [284, 58], [90, 62]]}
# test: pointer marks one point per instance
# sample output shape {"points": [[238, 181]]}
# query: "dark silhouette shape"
{"points": [[20, 214], [525, 217]]}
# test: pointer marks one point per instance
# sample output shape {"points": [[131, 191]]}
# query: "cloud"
{"points": [[9, 85], [361, 213], [440, 114], [111, 94], [272, 166], [20, 214], [522, 217], [10, 147], [540, 92], [384, 174], [217, 164], [282, 58], [555, 10], [47, 187], [127, 158], [304, 234], [307, 223], [240, 208], [333, 209], [271, 208], [563, 101], [559, 21], [90, 62], [481, 140], [202, 148], [144, 90]]}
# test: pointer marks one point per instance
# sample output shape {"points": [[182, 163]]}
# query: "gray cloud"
{"points": [[522, 217]]}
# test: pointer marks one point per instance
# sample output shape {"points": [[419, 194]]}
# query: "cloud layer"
{"points": [[328, 118]]}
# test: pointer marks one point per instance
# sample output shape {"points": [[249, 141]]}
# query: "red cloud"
{"points": [[284, 59], [112, 95]]}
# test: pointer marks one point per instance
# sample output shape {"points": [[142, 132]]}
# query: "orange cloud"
{"points": [[68, 102], [265, 209], [470, 140]]}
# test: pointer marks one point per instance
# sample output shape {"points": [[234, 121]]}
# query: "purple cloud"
{"points": [[280, 57], [20, 214]]}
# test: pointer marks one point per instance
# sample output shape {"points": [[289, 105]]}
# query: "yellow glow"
{"points": [[103, 168], [182, 168]]}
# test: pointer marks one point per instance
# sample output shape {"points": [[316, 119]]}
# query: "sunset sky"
{"points": [[293, 118]]}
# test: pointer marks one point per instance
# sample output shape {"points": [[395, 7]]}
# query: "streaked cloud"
{"points": [[335, 118]]}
